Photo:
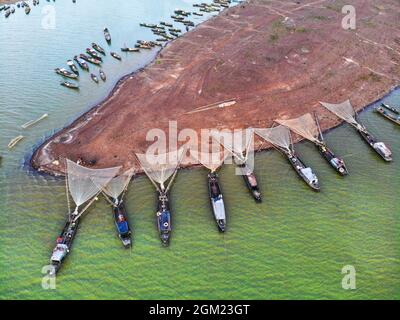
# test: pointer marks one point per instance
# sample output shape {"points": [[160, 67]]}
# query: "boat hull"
{"points": [[217, 201], [251, 183], [379, 147], [301, 170], [122, 224], [64, 244], [335, 162], [163, 218]]}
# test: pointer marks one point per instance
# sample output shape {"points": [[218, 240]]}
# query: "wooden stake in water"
{"points": [[14, 141]]}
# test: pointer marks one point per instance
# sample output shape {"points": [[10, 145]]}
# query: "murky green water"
{"points": [[293, 245]]}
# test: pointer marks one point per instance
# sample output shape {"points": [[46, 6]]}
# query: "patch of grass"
{"points": [[302, 30], [321, 18]]}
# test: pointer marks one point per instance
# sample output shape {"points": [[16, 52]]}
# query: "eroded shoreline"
{"points": [[249, 54]]}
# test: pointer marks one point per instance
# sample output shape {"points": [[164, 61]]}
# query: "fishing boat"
{"points": [[27, 9], [81, 63], [308, 127], [114, 192], [174, 30], [346, 112], [115, 56], [99, 49], [390, 116], [213, 161], [127, 49], [166, 24], [65, 73], [391, 108], [197, 14], [143, 46], [73, 67], [94, 54], [82, 186], [94, 78], [148, 25], [90, 59], [160, 169], [7, 14], [102, 75], [69, 85], [281, 139], [240, 147], [107, 35]]}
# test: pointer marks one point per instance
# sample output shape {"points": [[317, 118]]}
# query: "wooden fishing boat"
{"points": [[251, 182], [107, 35], [102, 75], [346, 112], [166, 24], [81, 63], [143, 46], [115, 56], [73, 67], [197, 14], [281, 139], [69, 85], [217, 201], [148, 25], [122, 224], [27, 9], [174, 30], [391, 108], [64, 244], [7, 14], [163, 218], [98, 48], [65, 73], [308, 127], [77, 177], [94, 78], [159, 174], [127, 49], [387, 115], [90, 59], [94, 54]]}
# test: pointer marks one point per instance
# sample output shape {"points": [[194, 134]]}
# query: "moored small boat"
{"points": [[69, 85], [94, 54], [346, 112], [65, 73], [73, 67], [166, 24], [90, 59], [122, 224], [163, 218], [102, 75], [98, 48], [392, 117], [251, 182], [217, 201], [115, 56], [27, 9], [94, 78], [107, 35], [81, 63], [64, 244], [127, 49]]}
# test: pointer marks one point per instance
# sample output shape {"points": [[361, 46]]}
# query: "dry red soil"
{"points": [[276, 59]]}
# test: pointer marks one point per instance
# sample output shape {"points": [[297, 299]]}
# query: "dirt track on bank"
{"points": [[274, 59]]}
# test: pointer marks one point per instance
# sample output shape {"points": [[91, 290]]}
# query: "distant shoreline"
{"points": [[249, 55]]}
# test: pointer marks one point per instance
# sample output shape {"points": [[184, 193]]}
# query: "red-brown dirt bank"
{"points": [[274, 58]]}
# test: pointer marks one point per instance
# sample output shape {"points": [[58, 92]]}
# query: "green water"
{"points": [[292, 246]]}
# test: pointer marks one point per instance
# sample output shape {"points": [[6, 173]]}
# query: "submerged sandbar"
{"points": [[273, 59]]}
